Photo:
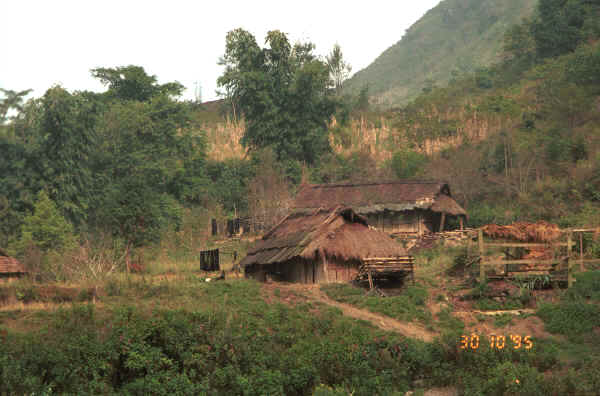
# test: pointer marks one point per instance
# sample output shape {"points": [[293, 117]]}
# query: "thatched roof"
{"points": [[9, 265], [339, 233], [367, 198]]}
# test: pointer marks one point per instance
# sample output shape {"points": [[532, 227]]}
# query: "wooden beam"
{"points": [[325, 269], [570, 270], [581, 266], [481, 255], [504, 262], [370, 280], [591, 261], [462, 222], [442, 222], [527, 245]]}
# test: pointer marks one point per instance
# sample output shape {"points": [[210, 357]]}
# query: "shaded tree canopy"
{"points": [[132, 83], [283, 93]]}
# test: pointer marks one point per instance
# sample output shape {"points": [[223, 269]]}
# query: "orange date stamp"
{"points": [[499, 342]]}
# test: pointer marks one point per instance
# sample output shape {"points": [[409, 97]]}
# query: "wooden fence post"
{"points": [[581, 266], [569, 270], [481, 255]]}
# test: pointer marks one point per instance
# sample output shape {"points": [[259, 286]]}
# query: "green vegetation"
{"points": [[527, 125], [187, 336], [452, 40], [503, 320], [574, 316], [571, 318], [93, 184], [282, 92], [408, 307]]}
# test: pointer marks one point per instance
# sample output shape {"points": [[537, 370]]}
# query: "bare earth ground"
{"points": [[313, 292]]}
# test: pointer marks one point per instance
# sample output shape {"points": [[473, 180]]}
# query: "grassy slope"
{"points": [[170, 334], [456, 35]]}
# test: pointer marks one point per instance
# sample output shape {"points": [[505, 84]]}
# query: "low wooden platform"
{"points": [[386, 268]]}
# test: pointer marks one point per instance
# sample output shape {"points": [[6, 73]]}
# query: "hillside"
{"points": [[456, 37]]}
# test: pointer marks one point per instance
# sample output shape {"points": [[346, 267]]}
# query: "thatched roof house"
{"points": [[395, 207], [321, 246], [10, 267]]}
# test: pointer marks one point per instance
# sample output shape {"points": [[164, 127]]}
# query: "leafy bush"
{"points": [[408, 306], [407, 163], [233, 342], [46, 228], [586, 286], [27, 294], [570, 318], [486, 304], [503, 320]]}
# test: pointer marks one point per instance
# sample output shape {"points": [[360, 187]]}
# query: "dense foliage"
{"points": [[282, 92], [125, 162], [225, 339]]}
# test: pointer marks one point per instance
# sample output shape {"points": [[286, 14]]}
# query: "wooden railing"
{"points": [[562, 260]]}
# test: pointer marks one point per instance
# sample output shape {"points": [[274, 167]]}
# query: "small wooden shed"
{"points": [[323, 246], [409, 208], [10, 268]]}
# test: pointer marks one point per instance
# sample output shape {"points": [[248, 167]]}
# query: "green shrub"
{"points": [[27, 294], [486, 304], [113, 287], [503, 320], [570, 318], [407, 163], [586, 286], [408, 306], [46, 228]]}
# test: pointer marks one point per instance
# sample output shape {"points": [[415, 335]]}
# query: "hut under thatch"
{"points": [[10, 268], [412, 208], [323, 246]]}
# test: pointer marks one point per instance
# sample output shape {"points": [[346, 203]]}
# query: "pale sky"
{"points": [[57, 42]]}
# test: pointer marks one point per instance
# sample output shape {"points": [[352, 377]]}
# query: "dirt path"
{"points": [[412, 330], [313, 292]]}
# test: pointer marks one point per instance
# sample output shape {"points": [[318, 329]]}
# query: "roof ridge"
{"points": [[350, 184]]}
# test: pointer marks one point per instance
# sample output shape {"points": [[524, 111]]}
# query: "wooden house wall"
{"points": [[308, 271], [395, 222], [339, 271]]}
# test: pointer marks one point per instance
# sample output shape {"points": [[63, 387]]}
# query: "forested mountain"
{"points": [[452, 39]]}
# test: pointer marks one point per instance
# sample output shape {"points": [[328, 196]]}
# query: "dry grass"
{"points": [[33, 306]]}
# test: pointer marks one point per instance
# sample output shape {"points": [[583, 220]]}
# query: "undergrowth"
{"points": [[407, 307], [222, 338]]}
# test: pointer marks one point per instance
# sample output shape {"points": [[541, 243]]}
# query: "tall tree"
{"points": [[133, 83], [339, 69], [11, 100], [67, 139], [282, 91]]}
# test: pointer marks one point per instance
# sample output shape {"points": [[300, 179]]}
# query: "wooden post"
{"points": [[481, 255], [581, 267], [569, 270], [462, 222], [370, 280], [442, 222]]}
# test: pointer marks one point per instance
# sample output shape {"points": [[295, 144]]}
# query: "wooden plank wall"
{"points": [[341, 271]]}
